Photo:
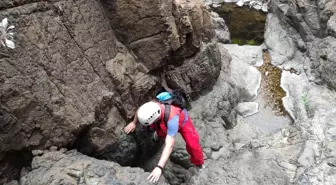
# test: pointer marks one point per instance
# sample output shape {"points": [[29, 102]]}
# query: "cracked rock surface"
{"points": [[81, 68], [74, 168]]}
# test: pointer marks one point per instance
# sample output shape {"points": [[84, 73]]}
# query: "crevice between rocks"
{"points": [[12, 163]]}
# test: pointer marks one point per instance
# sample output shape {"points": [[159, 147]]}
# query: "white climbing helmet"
{"points": [[148, 113]]}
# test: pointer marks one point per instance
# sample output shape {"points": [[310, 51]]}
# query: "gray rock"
{"points": [[37, 152], [304, 16], [247, 108], [73, 167], [82, 67], [55, 76], [221, 30], [302, 46], [158, 28], [279, 43], [252, 55], [199, 73], [53, 148], [13, 183], [242, 170], [246, 78], [331, 26], [327, 63]]}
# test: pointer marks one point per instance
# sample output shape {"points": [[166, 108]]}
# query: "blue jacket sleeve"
{"points": [[172, 126]]}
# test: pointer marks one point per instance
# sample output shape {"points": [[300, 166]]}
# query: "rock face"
{"points": [[75, 168], [153, 29], [300, 153], [81, 67], [314, 22], [328, 61], [221, 30], [243, 72], [191, 78]]}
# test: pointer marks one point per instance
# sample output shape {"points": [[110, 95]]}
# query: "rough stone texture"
{"points": [[309, 24], [302, 153], [328, 61], [81, 67], [245, 77], [252, 55], [240, 168], [247, 108], [175, 170], [331, 27], [197, 74], [154, 29], [299, 153], [280, 44], [303, 15], [222, 33], [312, 106], [75, 168], [309, 102], [52, 81]]}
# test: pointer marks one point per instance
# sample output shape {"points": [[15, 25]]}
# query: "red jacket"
{"points": [[161, 128]]}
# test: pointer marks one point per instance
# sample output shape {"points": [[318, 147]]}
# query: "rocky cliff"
{"points": [[80, 68]]}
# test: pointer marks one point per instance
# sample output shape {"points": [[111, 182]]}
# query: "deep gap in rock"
{"points": [[133, 150], [246, 25], [12, 163]]}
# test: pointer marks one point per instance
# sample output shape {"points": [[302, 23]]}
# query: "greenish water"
{"points": [[246, 25]]}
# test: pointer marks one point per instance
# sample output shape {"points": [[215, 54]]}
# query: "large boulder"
{"points": [[311, 29], [197, 74], [75, 168], [54, 78], [154, 30], [303, 15], [222, 32], [243, 72]]}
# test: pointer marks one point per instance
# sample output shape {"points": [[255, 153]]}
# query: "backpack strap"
{"points": [[166, 114]]}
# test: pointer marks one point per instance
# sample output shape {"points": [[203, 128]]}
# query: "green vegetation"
{"points": [[251, 42], [304, 99], [243, 42], [237, 41]]}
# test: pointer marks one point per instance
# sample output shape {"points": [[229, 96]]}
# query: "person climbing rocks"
{"points": [[167, 115]]}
